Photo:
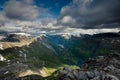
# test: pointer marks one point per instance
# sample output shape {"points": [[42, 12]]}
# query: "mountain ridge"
{"points": [[45, 54]]}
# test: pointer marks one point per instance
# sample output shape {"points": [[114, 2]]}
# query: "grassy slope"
{"points": [[36, 56], [89, 47]]}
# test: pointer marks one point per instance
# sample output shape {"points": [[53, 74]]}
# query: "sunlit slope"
{"points": [[34, 57]]}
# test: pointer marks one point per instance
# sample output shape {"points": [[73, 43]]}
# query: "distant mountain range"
{"points": [[45, 54]]}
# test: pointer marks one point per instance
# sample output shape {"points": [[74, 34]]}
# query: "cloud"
{"points": [[21, 10], [19, 16], [39, 26], [91, 13], [68, 20], [2, 19], [24, 16], [77, 31]]}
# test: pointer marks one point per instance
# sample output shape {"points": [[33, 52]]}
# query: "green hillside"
{"points": [[41, 56]]}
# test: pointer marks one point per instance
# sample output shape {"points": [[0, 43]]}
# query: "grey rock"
{"points": [[100, 68]]}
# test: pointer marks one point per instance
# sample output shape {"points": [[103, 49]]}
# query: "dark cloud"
{"points": [[21, 10], [91, 13], [2, 19]]}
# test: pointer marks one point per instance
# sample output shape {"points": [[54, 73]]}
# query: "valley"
{"points": [[45, 54]]}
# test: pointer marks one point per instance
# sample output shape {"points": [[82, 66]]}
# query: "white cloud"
{"points": [[67, 20], [76, 31]]}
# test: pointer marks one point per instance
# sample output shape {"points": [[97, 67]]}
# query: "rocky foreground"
{"points": [[101, 68]]}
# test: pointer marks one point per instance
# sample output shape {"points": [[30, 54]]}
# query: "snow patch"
{"points": [[2, 58]]}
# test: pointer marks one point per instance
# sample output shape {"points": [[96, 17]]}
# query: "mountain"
{"points": [[76, 49], [44, 54], [106, 35], [99, 68], [34, 57], [15, 40], [14, 37], [3, 32]]}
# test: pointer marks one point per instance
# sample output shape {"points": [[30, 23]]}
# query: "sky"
{"points": [[60, 16]]}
